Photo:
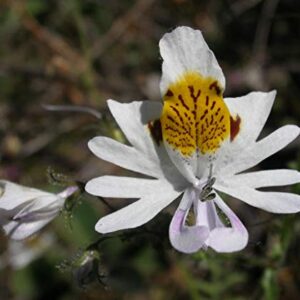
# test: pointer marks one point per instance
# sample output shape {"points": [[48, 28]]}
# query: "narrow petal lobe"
{"points": [[187, 238], [228, 239], [139, 212], [275, 202], [266, 178]]}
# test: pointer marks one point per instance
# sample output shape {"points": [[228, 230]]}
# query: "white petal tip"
{"points": [[91, 143], [69, 191], [189, 239], [89, 187], [294, 131], [272, 93], [232, 240], [101, 228], [111, 102], [181, 30], [185, 50]]}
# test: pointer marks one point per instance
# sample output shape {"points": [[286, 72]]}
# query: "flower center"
{"points": [[195, 117]]}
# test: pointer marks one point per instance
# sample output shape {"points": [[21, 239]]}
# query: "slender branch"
{"points": [[263, 30], [239, 7], [122, 236], [120, 26], [72, 108]]}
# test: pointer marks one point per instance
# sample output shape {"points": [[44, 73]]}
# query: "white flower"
{"points": [[207, 141], [24, 210], [20, 254]]}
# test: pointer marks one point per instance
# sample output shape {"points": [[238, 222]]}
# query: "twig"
{"points": [[40, 142], [55, 43], [120, 26], [123, 236], [239, 7], [67, 61], [33, 72], [263, 30], [72, 108]]}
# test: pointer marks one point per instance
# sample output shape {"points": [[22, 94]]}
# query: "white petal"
{"points": [[131, 159], [139, 212], [228, 239], [133, 119], [187, 166], [14, 195], [39, 208], [265, 178], [274, 202], [23, 253], [31, 216], [123, 156], [121, 187], [185, 50], [169, 172], [257, 152], [20, 231], [253, 109]]}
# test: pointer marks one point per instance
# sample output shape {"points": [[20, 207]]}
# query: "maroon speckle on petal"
{"points": [[234, 127]]}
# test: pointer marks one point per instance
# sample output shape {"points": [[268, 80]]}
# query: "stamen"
{"points": [[206, 192], [210, 197], [210, 171], [209, 184]]}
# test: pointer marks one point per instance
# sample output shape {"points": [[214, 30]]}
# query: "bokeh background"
{"points": [[80, 53]]}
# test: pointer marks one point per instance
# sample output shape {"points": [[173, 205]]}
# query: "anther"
{"points": [[210, 197], [206, 192]]}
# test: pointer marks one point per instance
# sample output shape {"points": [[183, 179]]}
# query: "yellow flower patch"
{"points": [[195, 117]]}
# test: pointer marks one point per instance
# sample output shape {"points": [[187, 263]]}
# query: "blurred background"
{"points": [[80, 53]]}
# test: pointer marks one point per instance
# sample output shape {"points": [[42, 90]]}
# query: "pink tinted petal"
{"points": [[228, 239], [69, 191], [186, 239]]}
